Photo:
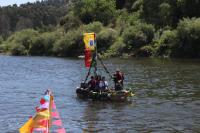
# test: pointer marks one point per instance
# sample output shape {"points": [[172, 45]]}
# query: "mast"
{"points": [[96, 55]]}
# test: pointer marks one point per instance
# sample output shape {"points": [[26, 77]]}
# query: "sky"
{"points": [[11, 2]]}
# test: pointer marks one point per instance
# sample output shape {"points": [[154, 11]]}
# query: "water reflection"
{"points": [[91, 116], [103, 117]]}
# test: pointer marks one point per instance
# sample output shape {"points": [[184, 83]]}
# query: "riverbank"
{"points": [[121, 31], [138, 41]]}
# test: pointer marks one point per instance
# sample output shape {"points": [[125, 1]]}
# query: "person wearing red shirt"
{"points": [[118, 80]]}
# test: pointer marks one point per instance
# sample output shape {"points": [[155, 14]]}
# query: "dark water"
{"points": [[167, 95]]}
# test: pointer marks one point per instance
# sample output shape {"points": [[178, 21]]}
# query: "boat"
{"points": [[91, 58], [46, 119], [111, 95]]}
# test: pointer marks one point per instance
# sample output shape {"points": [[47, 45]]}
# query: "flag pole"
{"points": [[96, 52]]}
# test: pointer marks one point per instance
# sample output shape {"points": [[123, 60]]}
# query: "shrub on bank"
{"points": [[106, 38], [20, 42], [43, 44], [17, 49], [1, 40], [70, 44], [145, 51], [188, 33], [116, 49], [165, 45], [138, 36]]}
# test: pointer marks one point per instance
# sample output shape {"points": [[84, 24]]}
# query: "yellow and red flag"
{"points": [[46, 116], [88, 58], [90, 41], [90, 47]]}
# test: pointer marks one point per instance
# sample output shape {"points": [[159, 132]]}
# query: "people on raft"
{"points": [[97, 84], [103, 84], [118, 80], [92, 84]]}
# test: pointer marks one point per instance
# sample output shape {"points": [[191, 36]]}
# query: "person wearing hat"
{"points": [[118, 80]]}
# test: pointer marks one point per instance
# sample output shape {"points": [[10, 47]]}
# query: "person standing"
{"points": [[118, 80]]}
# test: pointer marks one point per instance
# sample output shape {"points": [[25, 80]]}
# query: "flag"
{"points": [[88, 58], [90, 41], [27, 127], [43, 120]]}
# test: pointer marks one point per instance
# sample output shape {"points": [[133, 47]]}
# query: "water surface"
{"points": [[167, 95]]}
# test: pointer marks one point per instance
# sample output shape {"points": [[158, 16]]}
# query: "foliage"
{"points": [[188, 33], [95, 10], [138, 36], [145, 51], [116, 49], [23, 40], [166, 28], [17, 49], [105, 39], [31, 15], [93, 27], [166, 43], [70, 44], [70, 22], [1, 39]]}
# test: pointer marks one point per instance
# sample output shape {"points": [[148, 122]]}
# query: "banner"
{"points": [[45, 118], [88, 58], [90, 41]]}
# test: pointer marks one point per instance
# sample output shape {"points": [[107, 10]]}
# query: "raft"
{"points": [[111, 95]]}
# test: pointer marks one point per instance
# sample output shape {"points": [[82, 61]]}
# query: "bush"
{"points": [[43, 44], [145, 51], [166, 43], [17, 49], [106, 38], [1, 40], [93, 27], [70, 44], [22, 39], [95, 10], [70, 22], [137, 36], [125, 20], [37, 46], [188, 33], [116, 49]]}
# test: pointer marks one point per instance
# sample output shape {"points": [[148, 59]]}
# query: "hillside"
{"points": [[159, 28]]}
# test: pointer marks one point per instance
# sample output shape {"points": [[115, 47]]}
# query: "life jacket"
{"points": [[92, 83], [119, 76]]}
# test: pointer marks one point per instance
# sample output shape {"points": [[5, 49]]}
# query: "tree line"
{"points": [[164, 28]]}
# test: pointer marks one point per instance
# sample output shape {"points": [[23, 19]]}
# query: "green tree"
{"points": [[70, 44], [106, 38], [188, 33], [95, 10], [166, 43], [137, 36], [70, 22], [93, 27]]}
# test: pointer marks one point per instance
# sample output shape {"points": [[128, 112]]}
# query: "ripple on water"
{"points": [[167, 95]]}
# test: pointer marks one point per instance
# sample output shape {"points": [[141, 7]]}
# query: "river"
{"points": [[167, 96]]}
